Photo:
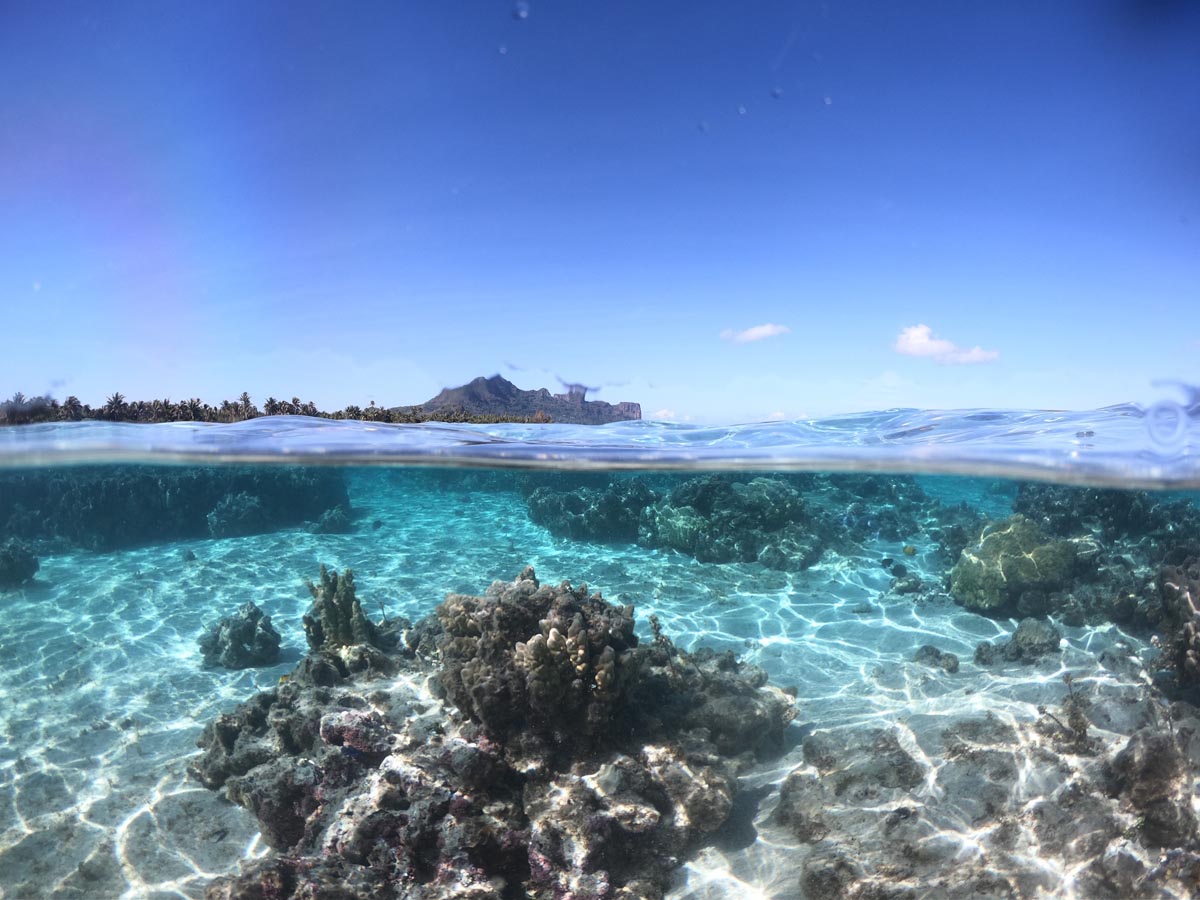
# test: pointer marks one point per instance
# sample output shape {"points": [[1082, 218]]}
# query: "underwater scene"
{"points": [[637, 661]]}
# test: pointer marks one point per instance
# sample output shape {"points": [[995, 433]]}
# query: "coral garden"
{"points": [[784, 522], [565, 760]]}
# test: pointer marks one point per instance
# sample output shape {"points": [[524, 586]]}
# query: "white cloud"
{"points": [[756, 333], [664, 415], [918, 340], [777, 416]]}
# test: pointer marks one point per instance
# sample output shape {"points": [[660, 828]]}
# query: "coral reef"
{"points": [[1108, 513], [237, 515], [720, 518], [576, 763], [1179, 587], [524, 656], [880, 817], [335, 520], [242, 640], [608, 514], [1012, 557], [18, 564], [113, 507], [336, 619]]}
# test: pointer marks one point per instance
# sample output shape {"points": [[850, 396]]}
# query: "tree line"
{"points": [[22, 410]]}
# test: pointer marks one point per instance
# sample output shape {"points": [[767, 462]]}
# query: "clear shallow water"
{"points": [[1126, 445], [104, 691]]}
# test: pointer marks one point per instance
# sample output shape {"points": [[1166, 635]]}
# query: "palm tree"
{"points": [[247, 407], [115, 407], [271, 407], [72, 409]]}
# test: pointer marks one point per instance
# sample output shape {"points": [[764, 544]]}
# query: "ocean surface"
{"points": [[838, 561]]}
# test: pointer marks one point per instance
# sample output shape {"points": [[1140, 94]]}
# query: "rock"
{"points": [[241, 641], [548, 660], [930, 655], [1066, 510], [862, 764], [1152, 775], [17, 564], [801, 802], [829, 875], [1033, 639], [1011, 557]]}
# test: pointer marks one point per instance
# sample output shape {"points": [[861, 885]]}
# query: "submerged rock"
{"points": [[1011, 557], [930, 655], [1033, 639], [242, 640], [1152, 775], [878, 820]]}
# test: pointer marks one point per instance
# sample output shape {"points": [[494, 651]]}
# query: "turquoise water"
{"points": [[105, 690]]}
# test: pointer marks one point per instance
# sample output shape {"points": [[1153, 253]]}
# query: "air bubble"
{"points": [[1167, 423], [521, 9], [741, 110]]}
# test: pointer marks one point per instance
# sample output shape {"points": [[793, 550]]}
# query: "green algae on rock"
{"points": [[1011, 557]]}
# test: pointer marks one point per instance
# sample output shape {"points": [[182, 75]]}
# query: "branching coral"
{"points": [[336, 618]]}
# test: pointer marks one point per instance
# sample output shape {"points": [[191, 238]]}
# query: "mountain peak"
{"points": [[496, 395]]}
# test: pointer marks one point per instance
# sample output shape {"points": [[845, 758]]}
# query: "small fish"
{"points": [[284, 679], [910, 550]]}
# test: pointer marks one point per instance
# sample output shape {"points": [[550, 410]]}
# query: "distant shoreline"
{"points": [[482, 401], [22, 410]]}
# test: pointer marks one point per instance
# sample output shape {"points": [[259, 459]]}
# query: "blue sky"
{"points": [[726, 212]]}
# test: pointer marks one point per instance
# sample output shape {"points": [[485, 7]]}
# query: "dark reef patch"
{"points": [[113, 507], [18, 564]]}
